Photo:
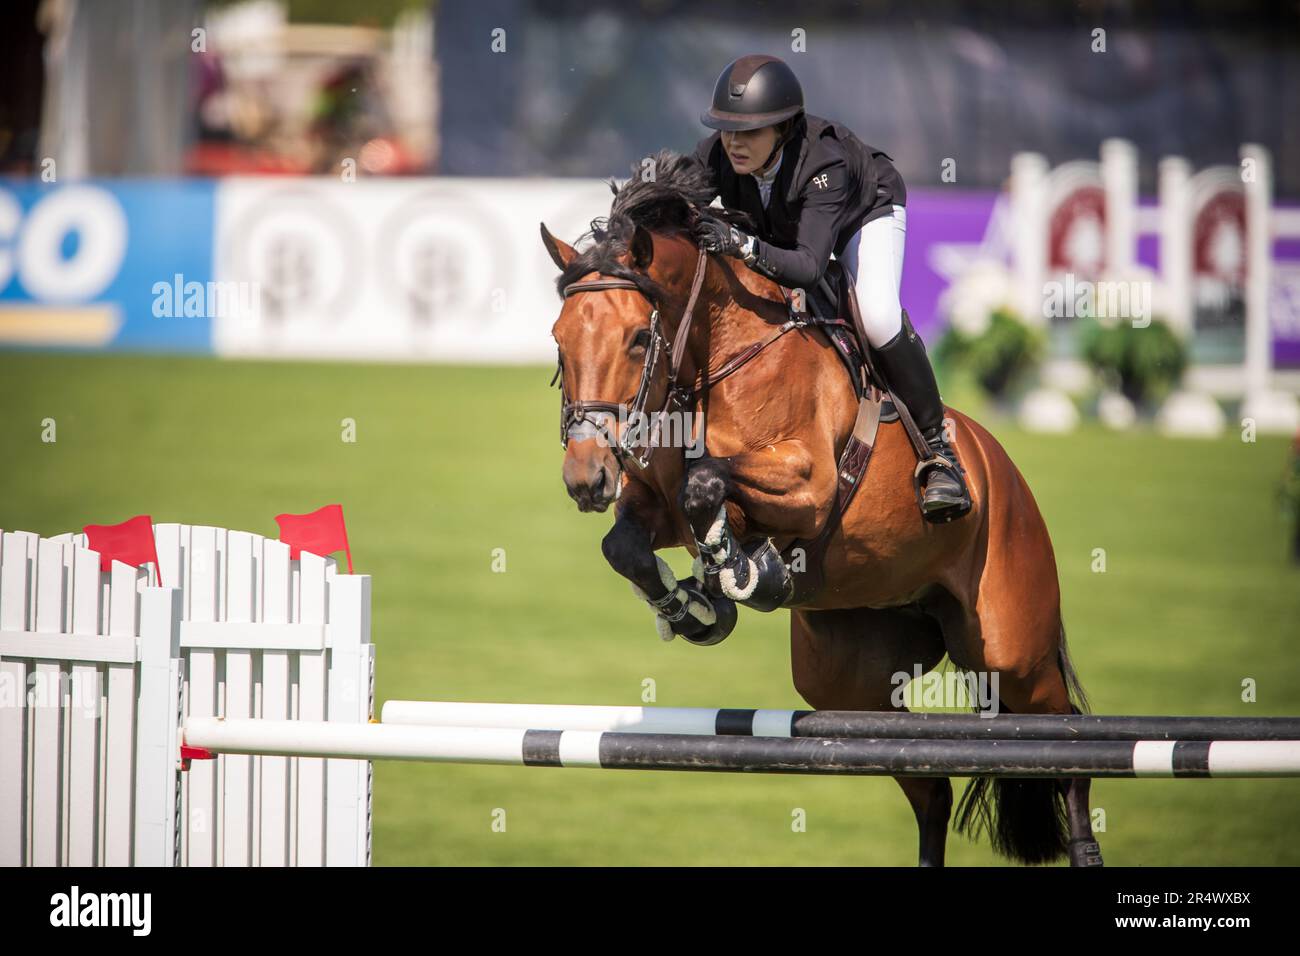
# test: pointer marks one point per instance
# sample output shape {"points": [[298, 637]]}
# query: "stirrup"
{"points": [[948, 512]]}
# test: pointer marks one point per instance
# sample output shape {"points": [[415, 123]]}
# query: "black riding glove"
{"points": [[722, 238]]}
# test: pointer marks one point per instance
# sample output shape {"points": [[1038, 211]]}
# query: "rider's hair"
{"points": [[784, 131]]}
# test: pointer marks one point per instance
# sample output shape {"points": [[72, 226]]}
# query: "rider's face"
{"points": [[747, 149]]}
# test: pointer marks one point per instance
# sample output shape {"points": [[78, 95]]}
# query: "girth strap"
{"points": [[852, 469]]}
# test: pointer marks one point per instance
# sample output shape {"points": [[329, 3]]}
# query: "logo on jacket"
{"points": [[821, 180]]}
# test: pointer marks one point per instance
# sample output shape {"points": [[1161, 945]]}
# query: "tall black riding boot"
{"points": [[906, 368]]}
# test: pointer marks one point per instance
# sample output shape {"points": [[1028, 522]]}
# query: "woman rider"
{"points": [[814, 188]]}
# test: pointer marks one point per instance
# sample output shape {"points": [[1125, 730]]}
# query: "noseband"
{"points": [[583, 417]]}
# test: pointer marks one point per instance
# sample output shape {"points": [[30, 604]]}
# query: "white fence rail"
{"points": [[242, 631]]}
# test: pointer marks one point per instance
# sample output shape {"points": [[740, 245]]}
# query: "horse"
{"points": [[893, 592]]}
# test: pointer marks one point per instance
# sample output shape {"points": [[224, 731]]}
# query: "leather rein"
{"points": [[582, 416]]}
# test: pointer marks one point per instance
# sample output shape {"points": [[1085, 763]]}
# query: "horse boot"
{"points": [[775, 584], [908, 372], [759, 580], [687, 612], [1085, 853]]}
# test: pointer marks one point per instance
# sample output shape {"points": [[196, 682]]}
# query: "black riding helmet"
{"points": [[753, 92]]}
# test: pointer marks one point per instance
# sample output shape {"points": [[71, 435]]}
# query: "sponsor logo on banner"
{"points": [[398, 269], [80, 264]]}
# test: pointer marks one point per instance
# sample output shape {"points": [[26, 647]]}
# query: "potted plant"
{"points": [[1144, 363], [986, 336]]}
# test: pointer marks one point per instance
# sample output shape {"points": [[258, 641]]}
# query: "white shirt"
{"points": [[765, 181]]}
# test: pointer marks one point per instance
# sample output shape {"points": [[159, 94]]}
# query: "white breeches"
{"points": [[874, 258]]}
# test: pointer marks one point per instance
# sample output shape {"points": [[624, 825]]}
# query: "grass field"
{"points": [[451, 463]]}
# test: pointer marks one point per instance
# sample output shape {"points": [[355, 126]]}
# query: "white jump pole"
{"points": [[714, 753], [1029, 233], [1188, 411], [1271, 410], [736, 721], [1119, 175], [644, 720], [304, 738], [1176, 241]]}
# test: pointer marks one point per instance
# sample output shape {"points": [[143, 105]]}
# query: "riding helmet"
{"points": [[753, 92]]}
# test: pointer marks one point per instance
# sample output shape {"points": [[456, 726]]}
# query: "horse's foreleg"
{"points": [[778, 491], [726, 568], [681, 608]]}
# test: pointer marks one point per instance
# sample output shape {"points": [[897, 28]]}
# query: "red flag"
{"points": [[130, 542], [320, 532]]}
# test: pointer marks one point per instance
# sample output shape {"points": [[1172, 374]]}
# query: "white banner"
{"points": [[443, 269]]}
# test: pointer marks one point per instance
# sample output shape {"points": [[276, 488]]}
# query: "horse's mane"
{"points": [[669, 201]]}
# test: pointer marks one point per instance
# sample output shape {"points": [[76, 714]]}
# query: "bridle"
{"points": [[580, 418]]}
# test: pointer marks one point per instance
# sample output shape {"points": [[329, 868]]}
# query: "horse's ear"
{"points": [[561, 252], [642, 248]]}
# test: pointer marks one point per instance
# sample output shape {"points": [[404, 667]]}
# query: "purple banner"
{"points": [[949, 229]]}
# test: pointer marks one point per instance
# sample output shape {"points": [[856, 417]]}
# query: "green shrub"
{"points": [[1144, 363], [998, 356]]}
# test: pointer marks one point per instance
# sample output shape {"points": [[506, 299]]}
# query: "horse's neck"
{"points": [[722, 328], [731, 325]]}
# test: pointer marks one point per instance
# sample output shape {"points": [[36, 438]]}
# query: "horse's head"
{"points": [[604, 334], [625, 297]]}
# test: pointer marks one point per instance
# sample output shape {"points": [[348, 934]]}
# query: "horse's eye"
{"points": [[641, 340]]}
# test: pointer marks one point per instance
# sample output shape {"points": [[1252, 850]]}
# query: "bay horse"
{"points": [[894, 592]]}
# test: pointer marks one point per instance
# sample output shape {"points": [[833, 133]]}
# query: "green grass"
{"points": [[451, 463]]}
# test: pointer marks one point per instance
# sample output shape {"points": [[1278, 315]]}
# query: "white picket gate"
{"points": [[99, 669]]}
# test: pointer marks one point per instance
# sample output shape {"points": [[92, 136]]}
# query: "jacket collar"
{"points": [[794, 155]]}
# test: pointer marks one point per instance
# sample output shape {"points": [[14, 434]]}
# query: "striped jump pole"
{"points": [[741, 754], [832, 723]]}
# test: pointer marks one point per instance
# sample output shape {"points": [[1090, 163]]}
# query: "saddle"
{"points": [[833, 307], [828, 309]]}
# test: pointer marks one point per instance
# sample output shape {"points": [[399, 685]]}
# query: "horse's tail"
{"points": [[1027, 820], [1074, 687]]}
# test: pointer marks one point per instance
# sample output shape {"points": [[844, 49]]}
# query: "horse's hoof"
{"points": [[725, 616], [1085, 853], [686, 611]]}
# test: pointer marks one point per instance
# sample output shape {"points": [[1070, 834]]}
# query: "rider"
{"points": [[814, 188]]}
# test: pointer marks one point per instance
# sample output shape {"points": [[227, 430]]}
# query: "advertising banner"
{"points": [[418, 270], [98, 265]]}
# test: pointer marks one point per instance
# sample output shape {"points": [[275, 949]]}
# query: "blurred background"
{"points": [[227, 228], [1137, 143]]}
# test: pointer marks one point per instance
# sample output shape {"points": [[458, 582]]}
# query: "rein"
{"points": [[581, 415]]}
